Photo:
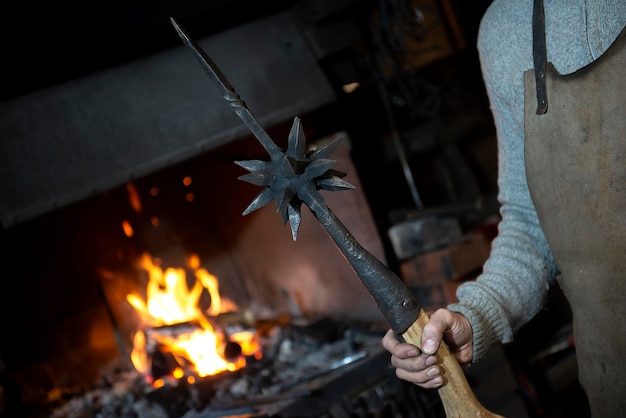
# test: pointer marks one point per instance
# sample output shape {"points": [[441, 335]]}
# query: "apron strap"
{"points": [[540, 56]]}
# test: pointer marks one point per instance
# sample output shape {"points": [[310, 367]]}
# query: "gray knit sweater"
{"points": [[520, 270]]}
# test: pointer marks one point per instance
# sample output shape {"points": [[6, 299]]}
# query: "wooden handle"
{"points": [[456, 394]]}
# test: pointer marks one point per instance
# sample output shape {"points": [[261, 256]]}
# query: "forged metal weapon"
{"points": [[293, 177]]}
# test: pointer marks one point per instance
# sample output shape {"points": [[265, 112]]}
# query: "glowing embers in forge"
{"points": [[177, 338]]}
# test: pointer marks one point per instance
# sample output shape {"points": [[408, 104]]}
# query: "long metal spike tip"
{"points": [[290, 176], [227, 90]]}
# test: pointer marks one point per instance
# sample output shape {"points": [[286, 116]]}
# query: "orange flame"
{"points": [[171, 302]]}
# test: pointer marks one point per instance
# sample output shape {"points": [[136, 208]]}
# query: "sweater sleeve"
{"points": [[516, 278]]}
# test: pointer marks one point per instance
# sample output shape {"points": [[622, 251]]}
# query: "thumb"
{"points": [[432, 335]]}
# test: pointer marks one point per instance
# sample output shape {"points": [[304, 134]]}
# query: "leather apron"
{"points": [[575, 158]]}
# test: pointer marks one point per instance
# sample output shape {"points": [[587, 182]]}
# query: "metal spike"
{"points": [[261, 178], [334, 183], [259, 201], [324, 152], [253, 165], [318, 167], [295, 218], [228, 92], [296, 141]]}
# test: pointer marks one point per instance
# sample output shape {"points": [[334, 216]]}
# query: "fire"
{"points": [[174, 323]]}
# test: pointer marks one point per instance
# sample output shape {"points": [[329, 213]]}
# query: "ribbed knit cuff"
{"points": [[488, 323]]}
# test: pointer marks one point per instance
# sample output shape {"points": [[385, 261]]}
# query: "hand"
{"points": [[420, 367]]}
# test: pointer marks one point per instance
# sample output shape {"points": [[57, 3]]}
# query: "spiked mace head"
{"points": [[289, 174]]}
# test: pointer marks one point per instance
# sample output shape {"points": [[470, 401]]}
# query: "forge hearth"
{"points": [[325, 368], [77, 265]]}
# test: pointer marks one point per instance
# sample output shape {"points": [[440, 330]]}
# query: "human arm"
{"points": [[515, 280]]}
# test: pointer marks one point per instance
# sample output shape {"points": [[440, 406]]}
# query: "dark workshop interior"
{"points": [[118, 171]]}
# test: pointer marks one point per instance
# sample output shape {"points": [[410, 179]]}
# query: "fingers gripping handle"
{"points": [[456, 394]]}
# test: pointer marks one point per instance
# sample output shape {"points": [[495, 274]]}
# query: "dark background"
{"points": [[45, 43]]}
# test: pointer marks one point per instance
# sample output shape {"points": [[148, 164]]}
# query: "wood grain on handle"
{"points": [[456, 394]]}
